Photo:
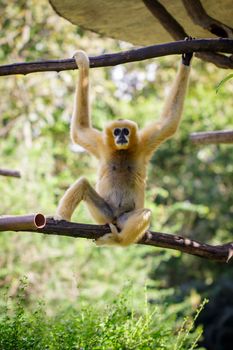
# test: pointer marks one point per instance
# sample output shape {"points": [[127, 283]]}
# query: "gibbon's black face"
{"points": [[121, 136]]}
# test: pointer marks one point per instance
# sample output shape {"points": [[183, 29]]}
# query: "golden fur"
{"points": [[119, 195]]}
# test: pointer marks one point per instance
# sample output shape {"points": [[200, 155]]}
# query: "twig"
{"points": [[177, 32], [220, 253], [12, 173], [178, 47], [212, 137]]}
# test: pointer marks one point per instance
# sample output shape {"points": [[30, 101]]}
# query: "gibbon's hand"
{"points": [[186, 57]]}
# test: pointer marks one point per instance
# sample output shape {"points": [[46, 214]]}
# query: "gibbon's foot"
{"points": [[57, 217], [114, 229], [110, 238], [186, 57]]}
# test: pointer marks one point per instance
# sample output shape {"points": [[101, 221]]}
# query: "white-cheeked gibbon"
{"points": [[123, 153]]}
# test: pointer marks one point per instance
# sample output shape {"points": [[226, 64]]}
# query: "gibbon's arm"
{"points": [[81, 131], [154, 134]]}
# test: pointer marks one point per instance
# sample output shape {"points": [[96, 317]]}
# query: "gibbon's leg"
{"points": [[82, 190], [133, 226]]}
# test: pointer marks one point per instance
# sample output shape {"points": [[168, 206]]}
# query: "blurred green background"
{"points": [[189, 187]]}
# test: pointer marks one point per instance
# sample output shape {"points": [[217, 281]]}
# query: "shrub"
{"points": [[117, 326]]}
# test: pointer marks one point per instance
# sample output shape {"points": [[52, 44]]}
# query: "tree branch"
{"points": [[37, 223], [169, 23], [210, 137], [12, 173], [178, 47], [199, 16], [177, 32]]}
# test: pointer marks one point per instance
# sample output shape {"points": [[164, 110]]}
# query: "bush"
{"points": [[117, 326]]}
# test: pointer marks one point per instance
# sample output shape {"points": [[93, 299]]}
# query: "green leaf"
{"points": [[223, 82]]}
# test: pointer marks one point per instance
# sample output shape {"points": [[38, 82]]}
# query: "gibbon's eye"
{"points": [[116, 132], [125, 131]]}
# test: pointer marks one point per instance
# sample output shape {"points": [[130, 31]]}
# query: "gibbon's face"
{"points": [[121, 134], [121, 137]]}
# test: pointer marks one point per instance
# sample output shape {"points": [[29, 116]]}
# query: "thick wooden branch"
{"points": [[12, 173], [172, 26], [178, 47], [212, 137], [199, 16], [36, 223], [169, 23]]}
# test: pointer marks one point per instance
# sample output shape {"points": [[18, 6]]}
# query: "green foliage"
{"points": [[117, 326]]}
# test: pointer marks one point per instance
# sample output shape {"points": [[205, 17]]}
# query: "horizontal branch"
{"points": [[178, 47], [212, 137], [12, 173], [220, 253]]}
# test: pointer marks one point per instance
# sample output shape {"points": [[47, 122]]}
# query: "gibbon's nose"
{"points": [[122, 141], [122, 138]]}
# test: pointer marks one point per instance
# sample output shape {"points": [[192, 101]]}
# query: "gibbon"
{"points": [[123, 153]]}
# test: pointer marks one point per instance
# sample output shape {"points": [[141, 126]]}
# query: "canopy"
{"points": [[132, 21]]}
